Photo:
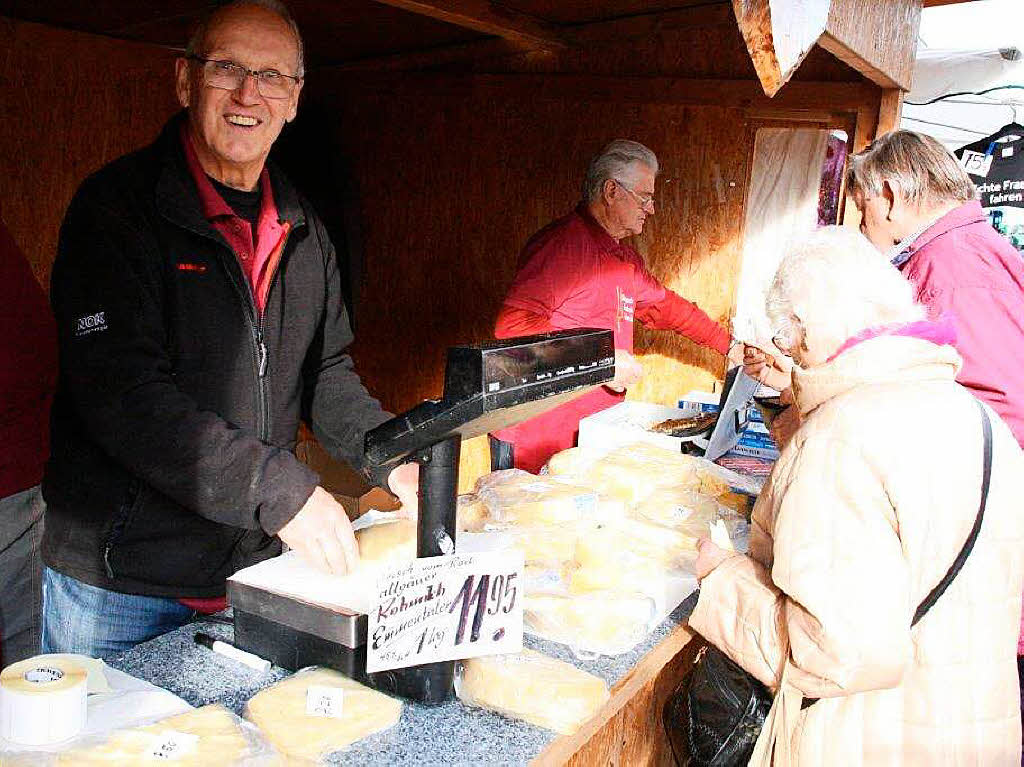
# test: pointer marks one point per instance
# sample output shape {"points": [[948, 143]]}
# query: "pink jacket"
{"points": [[962, 265]]}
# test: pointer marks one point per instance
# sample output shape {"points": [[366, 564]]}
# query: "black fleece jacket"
{"points": [[177, 406]]}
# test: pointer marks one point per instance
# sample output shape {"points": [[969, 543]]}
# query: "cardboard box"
{"points": [[756, 441], [348, 486]]}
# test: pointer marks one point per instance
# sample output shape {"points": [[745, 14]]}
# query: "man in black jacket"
{"points": [[200, 318]]}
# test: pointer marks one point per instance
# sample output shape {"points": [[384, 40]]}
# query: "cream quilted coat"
{"points": [[865, 511]]}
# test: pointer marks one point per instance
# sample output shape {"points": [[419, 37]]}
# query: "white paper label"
{"points": [[171, 745], [325, 701], [976, 163], [446, 608], [1007, 151]]}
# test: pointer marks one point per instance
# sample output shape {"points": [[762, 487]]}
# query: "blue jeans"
{"points": [[86, 619]]}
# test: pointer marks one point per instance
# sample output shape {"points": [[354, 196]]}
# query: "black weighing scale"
{"points": [[487, 387]]}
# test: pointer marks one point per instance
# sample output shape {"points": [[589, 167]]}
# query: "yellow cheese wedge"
{"points": [[280, 713], [387, 542], [533, 687]]}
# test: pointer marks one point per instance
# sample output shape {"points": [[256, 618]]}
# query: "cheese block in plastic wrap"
{"points": [[387, 542], [608, 623], [533, 687], [546, 544], [280, 713], [612, 546], [515, 497], [206, 736], [470, 513], [633, 472], [682, 509]]}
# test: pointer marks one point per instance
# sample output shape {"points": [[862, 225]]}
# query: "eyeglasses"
{"points": [[643, 200], [229, 76]]}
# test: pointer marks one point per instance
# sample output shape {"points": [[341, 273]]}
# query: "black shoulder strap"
{"points": [[947, 579]]}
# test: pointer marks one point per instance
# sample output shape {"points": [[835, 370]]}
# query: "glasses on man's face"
{"points": [[229, 76], [643, 200]]}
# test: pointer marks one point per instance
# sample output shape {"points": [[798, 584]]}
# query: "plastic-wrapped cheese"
{"points": [[680, 508], [519, 498], [206, 736], [533, 687], [546, 544], [605, 622], [614, 547], [387, 542], [280, 713], [470, 513]]}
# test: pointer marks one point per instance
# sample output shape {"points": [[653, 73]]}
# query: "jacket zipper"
{"points": [[134, 491], [261, 349]]}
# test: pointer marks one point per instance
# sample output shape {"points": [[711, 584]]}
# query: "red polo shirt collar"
{"points": [[258, 258]]}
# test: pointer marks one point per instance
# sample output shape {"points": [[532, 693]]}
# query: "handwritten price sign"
{"points": [[446, 608]]}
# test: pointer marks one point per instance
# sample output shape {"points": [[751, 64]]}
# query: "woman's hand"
{"points": [[764, 367], [709, 556]]}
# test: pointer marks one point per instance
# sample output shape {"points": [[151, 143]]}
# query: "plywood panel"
{"points": [[71, 103]]}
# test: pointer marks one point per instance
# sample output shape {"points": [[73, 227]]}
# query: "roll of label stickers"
{"points": [[42, 701]]}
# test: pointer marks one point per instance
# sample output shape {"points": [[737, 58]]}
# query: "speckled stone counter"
{"points": [[451, 734]]}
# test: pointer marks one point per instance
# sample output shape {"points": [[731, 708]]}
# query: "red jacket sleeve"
{"points": [[674, 312], [513, 322]]}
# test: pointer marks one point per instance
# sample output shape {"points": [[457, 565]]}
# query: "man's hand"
{"points": [[736, 353], [322, 534], [709, 556], [765, 368], [627, 371], [404, 482]]}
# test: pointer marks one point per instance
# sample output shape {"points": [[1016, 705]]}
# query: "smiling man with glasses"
{"points": [[577, 272], [200, 317]]}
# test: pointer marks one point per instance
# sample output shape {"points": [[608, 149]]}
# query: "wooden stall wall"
{"points": [[451, 185], [71, 103]]}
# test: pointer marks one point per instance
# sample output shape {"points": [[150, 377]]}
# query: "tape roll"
{"points": [[42, 700]]}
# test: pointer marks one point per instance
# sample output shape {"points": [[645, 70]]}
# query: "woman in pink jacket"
{"points": [[869, 503]]}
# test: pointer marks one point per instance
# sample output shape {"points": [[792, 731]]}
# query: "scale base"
{"points": [[294, 649]]}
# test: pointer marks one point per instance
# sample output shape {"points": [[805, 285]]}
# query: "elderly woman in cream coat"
{"points": [[865, 511]]}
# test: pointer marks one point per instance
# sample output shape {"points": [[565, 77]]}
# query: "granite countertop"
{"points": [[449, 734]]}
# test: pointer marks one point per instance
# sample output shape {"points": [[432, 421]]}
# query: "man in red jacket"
{"points": [[577, 273], [28, 376]]}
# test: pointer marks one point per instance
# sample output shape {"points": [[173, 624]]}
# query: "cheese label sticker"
{"points": [[171, 745], [325, 701]]}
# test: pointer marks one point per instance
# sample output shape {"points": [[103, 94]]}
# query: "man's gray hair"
{"points": [[838, 284], [198, 39], [619, 161], [925, 171]]}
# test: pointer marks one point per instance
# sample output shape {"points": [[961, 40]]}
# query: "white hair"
{"points": [[197, 41], [837, 284], [619, 161]]}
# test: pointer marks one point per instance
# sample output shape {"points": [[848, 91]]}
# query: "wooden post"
{"points": [[889, 110]]}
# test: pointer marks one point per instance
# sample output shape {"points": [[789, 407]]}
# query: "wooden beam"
{"points": [[779, 34], [488, 18], [889, 111], [878, 39], [835, 97], [638, 27]]}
